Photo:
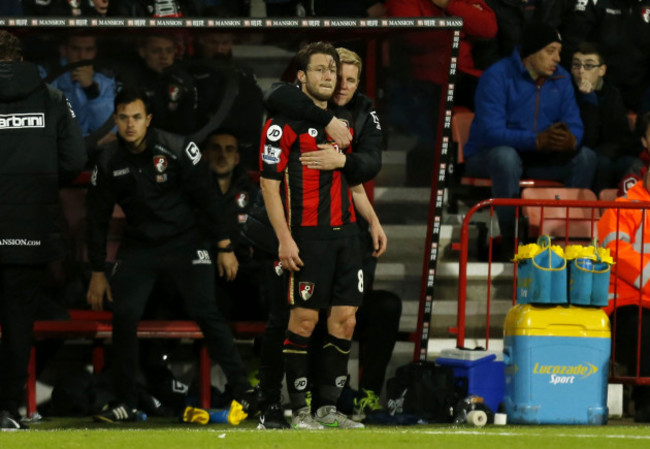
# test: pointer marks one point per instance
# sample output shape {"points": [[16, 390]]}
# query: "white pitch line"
{"points": [[515, 434]]}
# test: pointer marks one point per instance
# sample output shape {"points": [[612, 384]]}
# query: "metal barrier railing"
{"points": [[518, 204]]}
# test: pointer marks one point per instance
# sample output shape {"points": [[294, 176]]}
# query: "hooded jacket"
{"points": [[41, 148]]}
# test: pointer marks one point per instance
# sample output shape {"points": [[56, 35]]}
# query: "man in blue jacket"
{"points": [[527, 123], [91, 93]]}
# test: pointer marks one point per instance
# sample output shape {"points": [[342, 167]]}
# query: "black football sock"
{"points": [[334, 369], [296, 359]]}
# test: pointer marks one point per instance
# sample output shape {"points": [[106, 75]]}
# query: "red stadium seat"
{"points": [[552, 220]]}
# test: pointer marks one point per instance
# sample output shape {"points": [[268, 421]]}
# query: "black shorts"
{"points": [[331, 275]]}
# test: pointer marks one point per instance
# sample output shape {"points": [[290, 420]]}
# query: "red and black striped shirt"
{"points": [[312, 198]]}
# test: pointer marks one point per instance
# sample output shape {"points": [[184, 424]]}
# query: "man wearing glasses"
{"points": [[604, 115]]}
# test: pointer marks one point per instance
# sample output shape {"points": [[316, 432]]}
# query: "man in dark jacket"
{"points": [[169, 87], [237, 295], [228, 95], [154, 8], [161, 182], [604, 116], [42, 148], [621, 28]]}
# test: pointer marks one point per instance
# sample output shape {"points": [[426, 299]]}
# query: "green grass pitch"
{"points": [[165, 434]]}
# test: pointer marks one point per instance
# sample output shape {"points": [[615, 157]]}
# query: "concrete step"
{"points": [[393, 169], [405, 243], [445, 315], [501, 284], [402, 205], [267, 61], [409, 319]]}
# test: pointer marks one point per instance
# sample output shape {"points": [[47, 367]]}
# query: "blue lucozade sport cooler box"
{"points": [[556, 360]]}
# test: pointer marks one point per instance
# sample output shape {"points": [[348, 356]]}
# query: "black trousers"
{"points": [[192, 272], [273, 293], [627, 325], [376, 330], [19, 286]]}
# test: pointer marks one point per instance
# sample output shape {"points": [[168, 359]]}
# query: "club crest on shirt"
{"points": [[160, 162], [312, 132], [306, 290], [277, 266], [645, 14], [242, 199]]}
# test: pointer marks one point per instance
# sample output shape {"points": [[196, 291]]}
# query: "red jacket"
{"points": [[430, 58], [630, 277]]}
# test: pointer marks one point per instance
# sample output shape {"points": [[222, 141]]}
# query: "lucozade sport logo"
{"points": [[565, 374]]}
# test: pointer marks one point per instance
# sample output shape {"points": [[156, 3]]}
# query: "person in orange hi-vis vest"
{"points": [[626, 232]]}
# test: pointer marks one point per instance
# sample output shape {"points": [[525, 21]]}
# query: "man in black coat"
{"points": [[237, 294], [604, 116], [42, 149], [163, 185]]}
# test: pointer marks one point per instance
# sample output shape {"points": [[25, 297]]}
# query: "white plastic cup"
{"points": [[500, 419]]}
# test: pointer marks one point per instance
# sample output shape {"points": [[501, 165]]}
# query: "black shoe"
{"points": [[641, 413], [249, 401], [119, 413], [273, 418], [9, 422]]}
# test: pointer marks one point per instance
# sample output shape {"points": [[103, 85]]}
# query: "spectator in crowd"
{"points": [[162, 184], [61, 8], [621, 29], [90, 92], [288, 8], [154, 8], [11, 8], [169, 87], [512, 17], [224, 8], [527, 123], [238, 295], [228, 95], [95, 7], [625, 233], [606, 126], [349, 8], [68, 7], [338, 289], [415, 102], [41, 141], [479, 22]]}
